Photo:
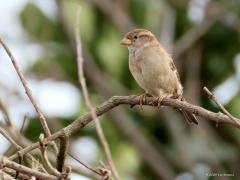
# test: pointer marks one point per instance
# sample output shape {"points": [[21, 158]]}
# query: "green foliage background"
{"points": [[100, 38]]}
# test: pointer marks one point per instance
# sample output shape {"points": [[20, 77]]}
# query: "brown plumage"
{"points": [[153, 68]]}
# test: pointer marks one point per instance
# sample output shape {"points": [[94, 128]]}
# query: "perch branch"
{"points": [[82, 80], [130, 100]]}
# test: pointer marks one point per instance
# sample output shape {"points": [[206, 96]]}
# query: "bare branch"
{"points": [[105, 171], [12, 173], [214, 99], [42, 118], [4, 162], [87, 99], [5, 113], [5, 176], [83, 164], [24, 122], [131, 100], [67, 172], [43, 149], [63, 150], [29, 156], [4, 133]]}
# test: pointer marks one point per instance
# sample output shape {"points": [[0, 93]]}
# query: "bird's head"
{"points": [[138, 38]]}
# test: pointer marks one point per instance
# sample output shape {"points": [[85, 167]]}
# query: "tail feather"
{"points": [[191, 118]]}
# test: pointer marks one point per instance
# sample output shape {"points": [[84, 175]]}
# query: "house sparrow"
{"points": [[153, 68]]}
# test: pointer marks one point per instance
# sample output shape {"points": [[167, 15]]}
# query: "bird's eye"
{"points": [[135, 37]]}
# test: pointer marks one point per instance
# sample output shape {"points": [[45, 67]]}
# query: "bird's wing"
{"points": [[174, 69], [157, 75], [179, 91]]}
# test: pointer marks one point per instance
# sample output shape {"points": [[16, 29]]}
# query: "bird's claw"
{"points": [[142, 100], [159, 101]]}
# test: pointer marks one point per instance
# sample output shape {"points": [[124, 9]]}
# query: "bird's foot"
{"points": [[160, 99], [142, 99]]}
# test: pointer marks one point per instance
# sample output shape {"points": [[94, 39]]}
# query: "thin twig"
{"points": [[42, 118], [19, 148], [25, 118], [5, 176], [5, 113], [214, 99], [67, 172], [87, 99], [20, 158], [63, 150], [12, 173], [4, 133], [43, 149], [83, 164], [130, 100], [4, 162], [104, 171]]}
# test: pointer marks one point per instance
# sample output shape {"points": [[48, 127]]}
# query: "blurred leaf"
{"points": [[38, 26], [33, 130], [137, 10], [87, 19], [57, 62], [182, 23], [111, 53], [220, 47], [234, 106], [127, 158]]}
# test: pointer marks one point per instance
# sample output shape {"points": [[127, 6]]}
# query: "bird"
{"points": [[153, 68]]}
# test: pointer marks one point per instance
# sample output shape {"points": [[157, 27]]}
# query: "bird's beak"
{"points": [[126, 42]]}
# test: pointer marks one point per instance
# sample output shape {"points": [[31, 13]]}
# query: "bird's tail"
{"points": [[191, 118]]}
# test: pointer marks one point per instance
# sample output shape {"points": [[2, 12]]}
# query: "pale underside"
{"points": [[155, 74]]}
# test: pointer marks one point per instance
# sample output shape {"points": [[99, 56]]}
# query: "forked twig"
{"points": [[214, 99], [19, 148], [4, 162], [43, 149]]}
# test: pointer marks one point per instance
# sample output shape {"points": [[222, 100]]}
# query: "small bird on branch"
{"points": [[153, 68]]}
